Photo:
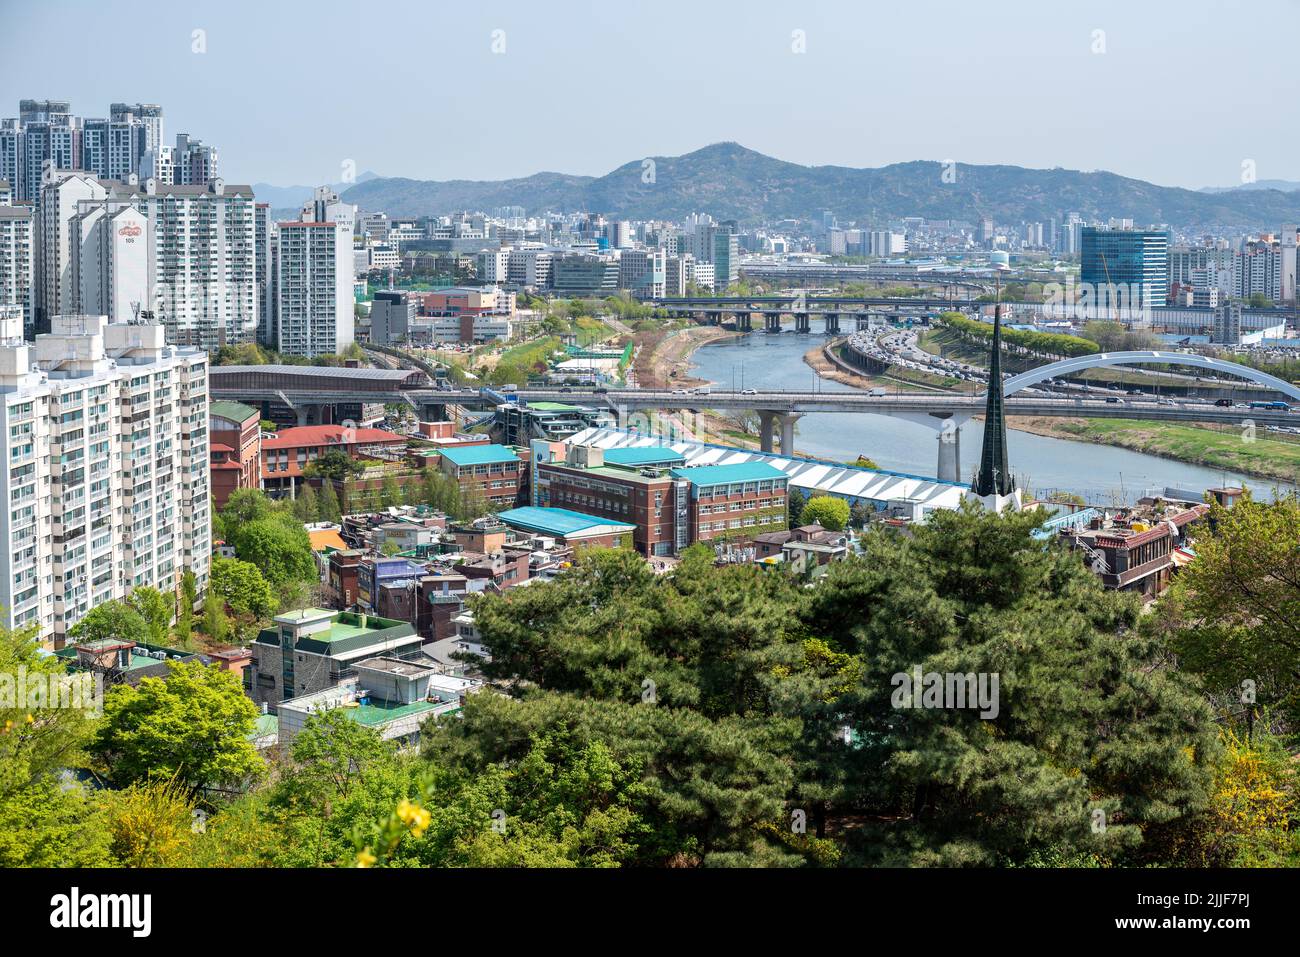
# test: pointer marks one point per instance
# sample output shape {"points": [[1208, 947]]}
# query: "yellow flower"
{"points": [[365, 858], [30, 719]]}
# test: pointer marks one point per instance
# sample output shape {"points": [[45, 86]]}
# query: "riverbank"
{"points": [[663, 359], [1261, 457]]}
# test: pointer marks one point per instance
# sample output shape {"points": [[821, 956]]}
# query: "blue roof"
{"points": [[479, 455], [722, 474], [642, 455], [556, 521]]}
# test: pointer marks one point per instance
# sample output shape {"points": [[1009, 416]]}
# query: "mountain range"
{"points": [[730, 181], [292, 197]]}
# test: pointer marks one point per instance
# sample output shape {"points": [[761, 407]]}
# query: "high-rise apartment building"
{"points": [[148, 115], [56, 288], [112, 149], [17, 252], [313, 288], [106, 480], [111, 267], [193, 164]]}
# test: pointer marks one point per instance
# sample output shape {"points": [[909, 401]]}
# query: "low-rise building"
{"points": [[734, 501], [235, 448], [286, 455], [315, 648], [390, 695], [570, 528], [492, 472]]}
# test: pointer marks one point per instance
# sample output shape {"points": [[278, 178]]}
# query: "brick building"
{"points": [[734, 501], [290, 451], [493, 472], [234, 448], [633, 485]]}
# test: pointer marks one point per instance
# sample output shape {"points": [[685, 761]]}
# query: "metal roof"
{"points": [[479, 455], [337, 372], [643, 455], [559, 522], [723, 474]]}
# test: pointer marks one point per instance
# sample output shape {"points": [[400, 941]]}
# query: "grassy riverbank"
{"points": [[1264, 457]]}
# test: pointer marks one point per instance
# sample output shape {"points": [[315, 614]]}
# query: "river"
{"points": [[1102, 474]]}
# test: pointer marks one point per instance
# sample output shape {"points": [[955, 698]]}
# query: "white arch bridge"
{"points": [[1107, 359]]}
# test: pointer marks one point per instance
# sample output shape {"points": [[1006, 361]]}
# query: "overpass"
{"points": [[803, 308], [304, 388]]}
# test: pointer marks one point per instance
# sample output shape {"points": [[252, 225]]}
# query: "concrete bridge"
{"points": [[837, 312], [308, 388]]}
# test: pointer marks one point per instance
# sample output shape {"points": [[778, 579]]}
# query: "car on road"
{"points": [[680, 392], [1225, 403], [1111, 398], [600, 390], [566, 389], [877, 393], [749, 392]]}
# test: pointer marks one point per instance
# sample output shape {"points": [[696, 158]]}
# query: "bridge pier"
{"points": [[787, 432], [766, 420], [801, 323], [863, 321], [949, 438], [832, 323], [744, 322], [771, 322]]}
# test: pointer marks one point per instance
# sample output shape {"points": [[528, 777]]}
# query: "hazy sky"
{"points": [[1182, 95]]}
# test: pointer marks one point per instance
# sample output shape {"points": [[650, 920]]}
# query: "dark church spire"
{"points": [[995, 475]]}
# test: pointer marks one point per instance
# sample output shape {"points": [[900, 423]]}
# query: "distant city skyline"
{"points": [[472, 92]]}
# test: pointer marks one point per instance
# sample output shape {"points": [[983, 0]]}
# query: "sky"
{"points": [[1177, 93]]}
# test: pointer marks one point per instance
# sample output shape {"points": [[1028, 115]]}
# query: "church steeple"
{"points": [[994, 476]]}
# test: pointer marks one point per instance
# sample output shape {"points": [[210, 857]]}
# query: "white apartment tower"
{"points": [[62, 192], [313, 288], [106, 478], [17, 252], [112, 266]]}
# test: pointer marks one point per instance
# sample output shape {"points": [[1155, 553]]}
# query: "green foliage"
{"points": [[245, 592], [113, 619], [305, 507], [1089, 715], [185, 608], [328, 508], [193, 726], [1049, 344], [156, 609], [334, 464], [1233, 615], [827, 511], [795, 501], [280, 548]]}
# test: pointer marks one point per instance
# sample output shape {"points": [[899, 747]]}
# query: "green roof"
{"points": [[345, 633], [643, 455], [479, 455], [554, 407], [557, 521], [726, 474], [378, 711], [235, 411]]}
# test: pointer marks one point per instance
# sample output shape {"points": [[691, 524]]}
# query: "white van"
{"points": [[702, 390], [876, 392]]}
